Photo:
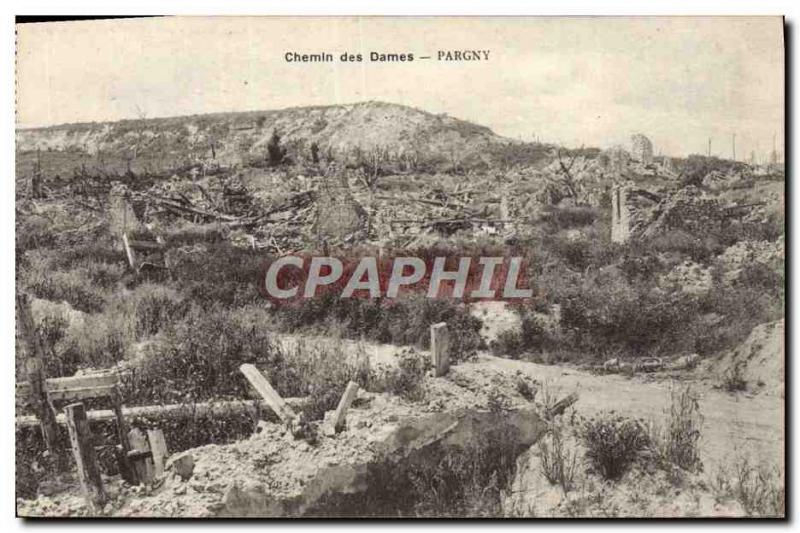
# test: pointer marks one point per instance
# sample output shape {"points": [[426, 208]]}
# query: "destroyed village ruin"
{"points": [[645, 377]]}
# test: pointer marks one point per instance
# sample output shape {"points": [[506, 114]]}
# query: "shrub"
{"points": [[101, 341], [436, 481], [677, 443], [733, 379], [570, 217], [613, 443], [277, 153], [197, 358], [758, 488], [408, 379], [320, 372], [72, 286], [151, 307], [404, 321], [222, 275], [524, 389], [508, 343]]}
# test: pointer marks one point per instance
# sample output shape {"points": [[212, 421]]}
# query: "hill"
{"points": [[237, 138]]}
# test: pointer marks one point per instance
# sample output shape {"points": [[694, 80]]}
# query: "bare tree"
{"points": [[566, 174]]}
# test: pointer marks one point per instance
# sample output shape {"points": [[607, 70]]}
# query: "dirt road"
{"points": [[734, 424]]}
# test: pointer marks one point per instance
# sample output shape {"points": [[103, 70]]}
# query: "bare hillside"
{"points": [[234, 137]]}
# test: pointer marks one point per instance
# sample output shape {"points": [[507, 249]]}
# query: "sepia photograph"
{"points": [[400, 267]]}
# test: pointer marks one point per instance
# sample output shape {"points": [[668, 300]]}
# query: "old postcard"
{"points": [[400, 267]]}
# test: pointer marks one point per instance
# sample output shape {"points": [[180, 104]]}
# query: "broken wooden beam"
{"points": [[270, 395], [152, 246], [80, 437], [560, 406], [440, 349], [129, 251], [176, 411]]}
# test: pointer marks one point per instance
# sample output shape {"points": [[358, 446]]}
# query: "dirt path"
{"points": [[734, 424]]}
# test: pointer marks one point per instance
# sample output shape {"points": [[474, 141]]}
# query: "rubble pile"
{"points": [[689, 277], [735, 258]]}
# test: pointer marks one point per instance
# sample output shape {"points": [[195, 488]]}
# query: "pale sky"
{"points": [[591, 81]]}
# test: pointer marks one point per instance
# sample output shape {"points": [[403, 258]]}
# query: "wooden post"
{"points": [[340, 415], [273, 399], [440, 349], [34, 367], [122, 426], [83, 449], [158, 445], [140, 457], [129, 251]]}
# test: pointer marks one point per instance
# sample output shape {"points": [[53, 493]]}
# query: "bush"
{"points": [[570, 217], [758, 488], [613, 444], [149, 308], [408, 379], [72, 286], [197, 358], [403, 321], [435, 482], [733, 379], [101, 341]]}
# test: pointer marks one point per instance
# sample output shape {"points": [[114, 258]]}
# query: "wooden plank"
{"points": [[76, 387], [71, 394], [440, 349], [80, 437], [340, 415], [177, 411], [158, 445], [34, 367], [83, 382], [140, 457], [273, 399]]}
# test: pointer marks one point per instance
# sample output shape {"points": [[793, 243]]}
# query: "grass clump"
{"points": [[558, 461], [677, 443]]}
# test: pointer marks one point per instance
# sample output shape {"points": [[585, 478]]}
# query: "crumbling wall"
{"points": [[640, 213], [632, 211]]}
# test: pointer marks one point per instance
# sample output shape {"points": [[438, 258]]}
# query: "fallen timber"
{"points": [[183, 410]]}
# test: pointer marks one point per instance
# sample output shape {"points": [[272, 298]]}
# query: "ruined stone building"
{"points": [[641, 148], [642, 213]]}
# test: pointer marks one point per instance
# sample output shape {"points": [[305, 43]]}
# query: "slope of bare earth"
{"points": [[759, 360]]}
